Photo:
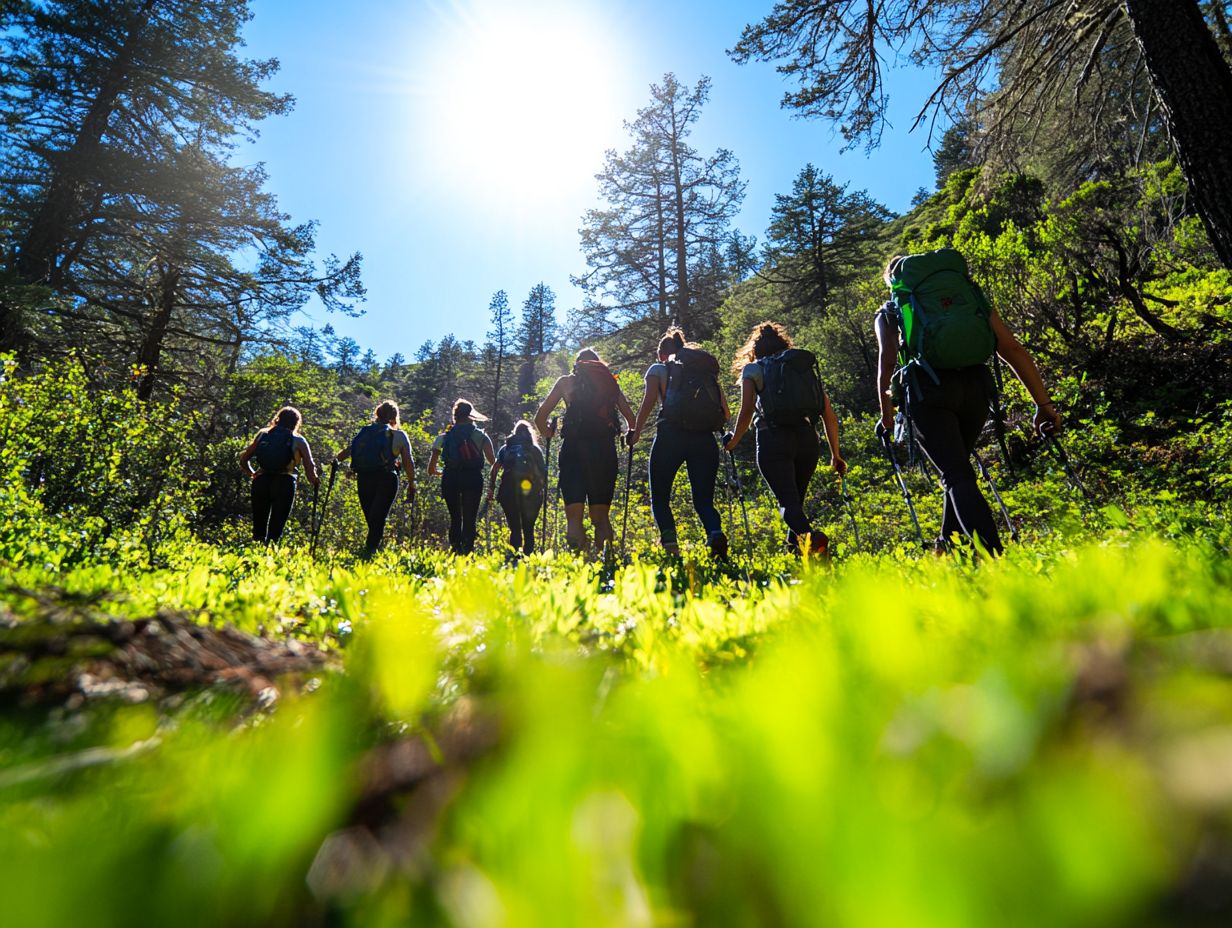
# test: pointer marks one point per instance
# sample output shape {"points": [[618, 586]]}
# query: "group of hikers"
{"points": [[935, 334]]}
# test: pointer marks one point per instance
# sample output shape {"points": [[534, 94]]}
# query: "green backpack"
{"points": [[943, 315]]}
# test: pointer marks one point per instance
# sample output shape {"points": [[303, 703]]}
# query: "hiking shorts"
{"points": [[588, 469]]}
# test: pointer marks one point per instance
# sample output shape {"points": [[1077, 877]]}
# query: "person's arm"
{"points": [[492, 477], [550, 402], [407, 460], [310, 467], [432, 460], [246, 456], [650, 399], [830, 423], [726, 407], [488, 451], [1013, 353], [748, 402], [343, 455], [622, 404], [887, 361]]}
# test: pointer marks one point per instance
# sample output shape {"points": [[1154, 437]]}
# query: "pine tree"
{"points": [[666, 208], [1042, 54], [501, 340], [537, 332], [118, 195], [818, 238]]}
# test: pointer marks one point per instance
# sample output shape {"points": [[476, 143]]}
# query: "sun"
{"points": [[523, 105]]}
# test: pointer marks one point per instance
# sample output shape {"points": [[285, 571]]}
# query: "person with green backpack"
{"points": [[781, 394], [523, 470], [377, 452], [935, 336], [463, 449], [685, 380], [278, 450]]}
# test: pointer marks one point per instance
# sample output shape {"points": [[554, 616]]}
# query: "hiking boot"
{"points": [[819, 544], [717, 543]]}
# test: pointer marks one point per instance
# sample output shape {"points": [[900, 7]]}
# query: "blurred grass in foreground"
{"points": [[1046, 740]]}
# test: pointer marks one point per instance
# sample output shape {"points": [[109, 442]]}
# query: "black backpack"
{"points": [[792, 394], [591, 410], [275, 450], [372, 449], [522, 462], [459, 448], [693, 399]]}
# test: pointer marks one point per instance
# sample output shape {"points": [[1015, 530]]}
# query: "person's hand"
{"points": [[729, 441], [1047, 421], [883, 429], [838, 464], [410, 490], [631, 437]]}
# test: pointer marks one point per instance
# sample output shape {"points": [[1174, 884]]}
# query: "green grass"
{"points": [[1037, 741]]}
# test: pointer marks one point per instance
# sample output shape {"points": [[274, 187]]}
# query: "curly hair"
{"points": [[767, 338]]}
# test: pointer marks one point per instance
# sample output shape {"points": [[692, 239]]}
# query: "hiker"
{"points": [[462, 447], [522, 469], [377, 452], [685, 380], [587, 461], [934, 339], [781, 394], [278, 448]]}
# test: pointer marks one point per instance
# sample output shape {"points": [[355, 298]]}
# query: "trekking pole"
{"points": [[333, 475], [1054, 443], [992, 485], [624, 522], [884, 434], [734, 476], [312, 520], [851, 513]]}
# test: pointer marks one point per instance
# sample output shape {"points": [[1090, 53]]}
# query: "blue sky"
{"points": [[455, 142]]}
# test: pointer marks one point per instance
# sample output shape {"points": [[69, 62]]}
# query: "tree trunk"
{"points": [[49, 231], [1193, 84], [152, 345]]}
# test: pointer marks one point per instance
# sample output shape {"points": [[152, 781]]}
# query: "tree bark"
{"points": [[152, 345], [1193, 84], [45, 239]]}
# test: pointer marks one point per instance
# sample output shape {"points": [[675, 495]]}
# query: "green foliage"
{"points": [[893, 741], [87, 474]]}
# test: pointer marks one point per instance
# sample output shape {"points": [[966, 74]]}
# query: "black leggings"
{"points": [[377, 492], [462, 490], [521, 510], [787, 457], [272, 498], [948, 418], [699, 452]]}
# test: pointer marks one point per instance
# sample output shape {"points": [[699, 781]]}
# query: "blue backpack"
{"points": [[372, 449], [459, 448]]}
